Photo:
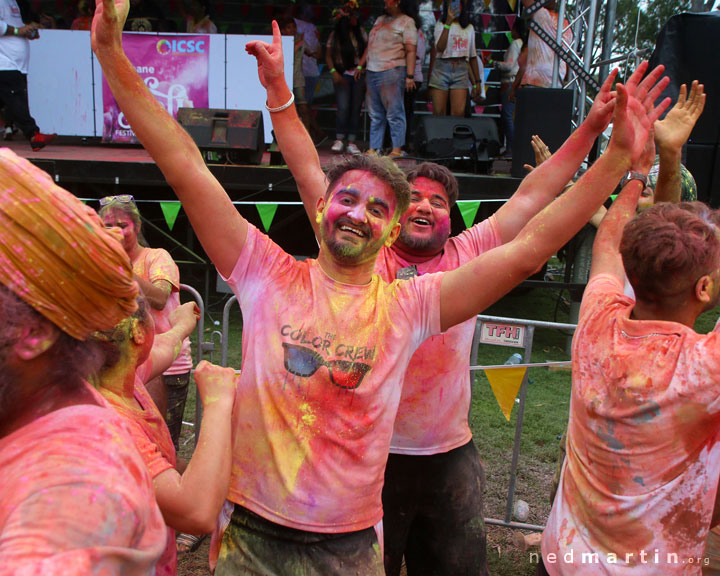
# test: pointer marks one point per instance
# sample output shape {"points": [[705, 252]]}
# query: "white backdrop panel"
{"points": [[65, 80], [244, 91], [60, 91]]}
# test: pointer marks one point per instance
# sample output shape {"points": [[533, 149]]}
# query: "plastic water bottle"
{"points": [[514, 359]]}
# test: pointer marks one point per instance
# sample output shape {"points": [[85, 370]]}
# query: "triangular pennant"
{"points": [[486, 19], [505, 384], [170, 210], [485, 55], [487, 4], [508, 35], [486, 38], [487, 71], [613, 196], [513, 4], [479, 110], [267, 213], [437, 14], [510, 19], [83, 201], [247, 27], [468, 210]]}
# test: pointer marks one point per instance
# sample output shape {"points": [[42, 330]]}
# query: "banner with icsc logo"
{"points": [[174, 68]]}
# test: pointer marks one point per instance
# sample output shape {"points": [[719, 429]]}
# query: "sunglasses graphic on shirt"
{"points": [[304, 362]]}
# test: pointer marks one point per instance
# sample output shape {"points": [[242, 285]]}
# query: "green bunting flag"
{"points": [[170, 211], [509, 37], [267, 213], [468, 210], [247, 27], [486, 38]]}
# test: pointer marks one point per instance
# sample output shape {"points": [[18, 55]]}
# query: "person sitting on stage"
{"points": [[190, 501], [638, 486], [75, 497], [326, 342]]}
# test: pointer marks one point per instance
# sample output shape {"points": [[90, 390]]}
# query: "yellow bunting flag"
{"points": [[487, 3], [170, 210], [505, 384], [512, 4]]}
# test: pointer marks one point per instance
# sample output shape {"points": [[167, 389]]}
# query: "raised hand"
{"points": [[635, 112], [270, 61], [215, 384], [542, 152], [601, 112], [674, 130], [108, 24]]}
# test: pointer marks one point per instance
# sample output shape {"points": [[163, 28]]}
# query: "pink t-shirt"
{"points": [[433, 413], [460, 42], [386, 45], [153, 441], [540, 57], [156, 264], [75, 498], [320, 385], [639, 480]]}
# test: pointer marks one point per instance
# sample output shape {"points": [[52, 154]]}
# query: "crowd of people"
{"points": [[343, 446]]}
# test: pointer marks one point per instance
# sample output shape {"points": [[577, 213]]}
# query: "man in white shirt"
{"points": [[14, 58]]}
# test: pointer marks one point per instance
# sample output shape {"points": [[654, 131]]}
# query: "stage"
{"points": [[265, 194]]}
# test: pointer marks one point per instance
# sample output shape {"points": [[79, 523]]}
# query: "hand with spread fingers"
{"points": [[674, 130], [635, 111]]}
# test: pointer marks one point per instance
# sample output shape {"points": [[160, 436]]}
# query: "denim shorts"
{"points": [[450, 74]]}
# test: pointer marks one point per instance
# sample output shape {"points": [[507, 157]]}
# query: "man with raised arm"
{"points": [[638, 486], [326, 341], [433, 490]]}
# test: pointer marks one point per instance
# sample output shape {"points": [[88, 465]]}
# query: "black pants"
{"points": [[13, 92], [255, 546], [433, 514]]}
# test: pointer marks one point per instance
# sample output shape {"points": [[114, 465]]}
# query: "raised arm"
{"points": [[548, 179], [295, 143], [219, 226], [191, 502], [671, 133], [606, 257], [495, 272]]}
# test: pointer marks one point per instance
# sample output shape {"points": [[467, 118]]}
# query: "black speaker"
{"points": [[546, 112], [237, 133], [703, 161], [452, 137]]}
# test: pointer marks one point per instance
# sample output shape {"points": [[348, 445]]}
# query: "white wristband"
{"points": [[284, 106]]}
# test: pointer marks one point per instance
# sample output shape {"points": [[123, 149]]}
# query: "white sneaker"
{"points": [[337, 146], [352, 148]]}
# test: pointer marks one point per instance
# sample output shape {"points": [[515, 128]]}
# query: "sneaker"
{"points": [[352, 149], [41, 140], [337, 146]]}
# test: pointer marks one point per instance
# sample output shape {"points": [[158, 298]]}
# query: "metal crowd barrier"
{"points": [[514, 333]]}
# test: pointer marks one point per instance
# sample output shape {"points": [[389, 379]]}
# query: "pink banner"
{"points": [[174, 68], [486, 19], [510, 19]]}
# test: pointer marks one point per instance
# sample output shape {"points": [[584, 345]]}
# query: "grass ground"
{"points": [[546, 414]]}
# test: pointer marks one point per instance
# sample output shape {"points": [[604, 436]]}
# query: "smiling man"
{"points": [[327, 341], [433, 490]]}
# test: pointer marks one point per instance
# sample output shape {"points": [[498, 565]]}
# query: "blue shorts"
{"points": [[450, 74]]}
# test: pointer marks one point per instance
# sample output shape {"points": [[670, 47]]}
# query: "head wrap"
{"points": [[688, 187], [56, 255]]}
